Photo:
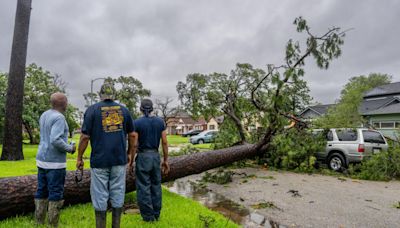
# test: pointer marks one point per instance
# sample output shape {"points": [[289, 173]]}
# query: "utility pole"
{"points": [[91, 89], [12, 144]]}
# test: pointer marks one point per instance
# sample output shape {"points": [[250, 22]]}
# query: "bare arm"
{"points": [[164, 142], [83, 143], [132, 146]]}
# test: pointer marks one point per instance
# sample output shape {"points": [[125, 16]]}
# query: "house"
{"points": [[181, 123], [214, 122], [315, 111], [381, 108]]}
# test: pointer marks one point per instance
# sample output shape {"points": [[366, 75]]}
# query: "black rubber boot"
{"points": [[54, 212], [40, 210], [116, 217], [101, 217]]}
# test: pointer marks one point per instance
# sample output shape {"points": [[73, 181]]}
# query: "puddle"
{"points": [[215, 202]]}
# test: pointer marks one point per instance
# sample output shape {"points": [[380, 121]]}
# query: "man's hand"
{"points": [[73, 148], [165, 167], [80, 164], [131, 161]]}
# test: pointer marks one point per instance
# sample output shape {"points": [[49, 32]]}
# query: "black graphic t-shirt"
{"points": [[107, 123]]}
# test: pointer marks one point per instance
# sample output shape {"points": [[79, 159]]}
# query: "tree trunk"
{"points": [[12, 148], [30, 133], [16, 193]]}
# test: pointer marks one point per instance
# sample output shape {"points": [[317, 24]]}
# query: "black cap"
{"points": [[146, 104]]}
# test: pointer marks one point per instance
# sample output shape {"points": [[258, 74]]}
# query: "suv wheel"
{"points": [[336, 162], [200, 141]]}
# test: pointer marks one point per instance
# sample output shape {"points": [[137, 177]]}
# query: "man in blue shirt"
{"points": [[148, 132], [51, 161], [106, 125]]}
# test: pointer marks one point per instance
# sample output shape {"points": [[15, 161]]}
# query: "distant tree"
{"points": [[129, 92], [163, 106], [72, 118], [346, 112], [12, 142], [3, 92]]}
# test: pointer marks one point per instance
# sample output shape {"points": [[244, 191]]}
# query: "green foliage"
{"points": [[295, 150], [219, 177], [382, 166], [346, 112], [3, 92], [186, 150], [72, 118]]}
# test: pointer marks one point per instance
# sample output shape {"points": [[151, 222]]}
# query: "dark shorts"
{"points": [[50, 184]]}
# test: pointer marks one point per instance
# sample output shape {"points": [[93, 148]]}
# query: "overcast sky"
{"points": [[160, 42]]}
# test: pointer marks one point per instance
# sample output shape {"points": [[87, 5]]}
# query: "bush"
{"points": [[295, 149], [187, 149], [382, 166]]}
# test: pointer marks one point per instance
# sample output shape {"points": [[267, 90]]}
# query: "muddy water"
{"points": [[214, 201]]}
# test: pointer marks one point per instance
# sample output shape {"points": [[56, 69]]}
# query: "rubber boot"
{"points": [[54, 212], [40, 210], [116, 217], [101, 217]]}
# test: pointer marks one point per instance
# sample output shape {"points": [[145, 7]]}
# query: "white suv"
{"points": [[346, 146]]}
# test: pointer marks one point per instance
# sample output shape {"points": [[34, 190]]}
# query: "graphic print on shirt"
{"points": [[112, 118]]}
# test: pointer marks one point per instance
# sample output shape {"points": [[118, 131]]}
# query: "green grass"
{"points": [[177, 211], [28, 165], [176, 140]]}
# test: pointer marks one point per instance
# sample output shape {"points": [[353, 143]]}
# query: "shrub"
{"points": [[382, 166]]}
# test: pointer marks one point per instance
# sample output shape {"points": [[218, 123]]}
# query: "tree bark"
{"points": [[16, 193], [12, 148]]}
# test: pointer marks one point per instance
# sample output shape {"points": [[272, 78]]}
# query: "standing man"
{"points": [[106, 125], [148, 132], [51, 161]]}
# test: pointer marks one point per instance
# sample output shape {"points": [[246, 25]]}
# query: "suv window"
{"points": [[346, 135], [373, 137], [329, 136]]}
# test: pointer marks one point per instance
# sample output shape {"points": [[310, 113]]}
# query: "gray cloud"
{"points": [[160, 42]]}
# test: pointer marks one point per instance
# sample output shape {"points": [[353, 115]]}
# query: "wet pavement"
{"points": [[221, 204]]}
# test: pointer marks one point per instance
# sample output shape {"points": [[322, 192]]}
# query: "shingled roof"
{"points": [[388, 89], [319, 109]]}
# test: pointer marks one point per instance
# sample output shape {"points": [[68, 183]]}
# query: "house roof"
{"points": [[389, 109], [370, 105], [388, 89], [319, 109]]}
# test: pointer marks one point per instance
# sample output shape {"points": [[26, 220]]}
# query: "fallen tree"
{"points": [[16, 193]]}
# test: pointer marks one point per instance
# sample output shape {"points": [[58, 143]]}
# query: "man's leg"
{"points": [[99, 193], [156, 192], [56, 180], [41, 196], [143, 183], [117, 193]]}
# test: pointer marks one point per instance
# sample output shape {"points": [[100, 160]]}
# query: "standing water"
{"points": [[215, 202]]}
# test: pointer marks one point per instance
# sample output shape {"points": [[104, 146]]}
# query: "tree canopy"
{"points": [[268, 97]]}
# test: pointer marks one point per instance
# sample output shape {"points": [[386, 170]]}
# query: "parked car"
{"points": [[204, 137], [345, 146], [191, 133]]}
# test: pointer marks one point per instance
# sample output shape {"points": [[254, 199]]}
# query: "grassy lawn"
{"points": [[177, 212], [176, 140]]}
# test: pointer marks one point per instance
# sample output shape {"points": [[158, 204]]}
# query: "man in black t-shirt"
{"points": [[148, 132], [106, 125]]}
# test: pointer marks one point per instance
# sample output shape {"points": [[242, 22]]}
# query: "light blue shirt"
{"points": [[53, 144]]}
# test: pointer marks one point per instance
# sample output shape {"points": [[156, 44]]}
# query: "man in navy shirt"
{"points": [[106, 125], [148, 132]]}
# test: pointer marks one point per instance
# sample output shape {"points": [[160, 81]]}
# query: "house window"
{"points": [[212, 127], [376, 125], [387, 125], [397, 125]]}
